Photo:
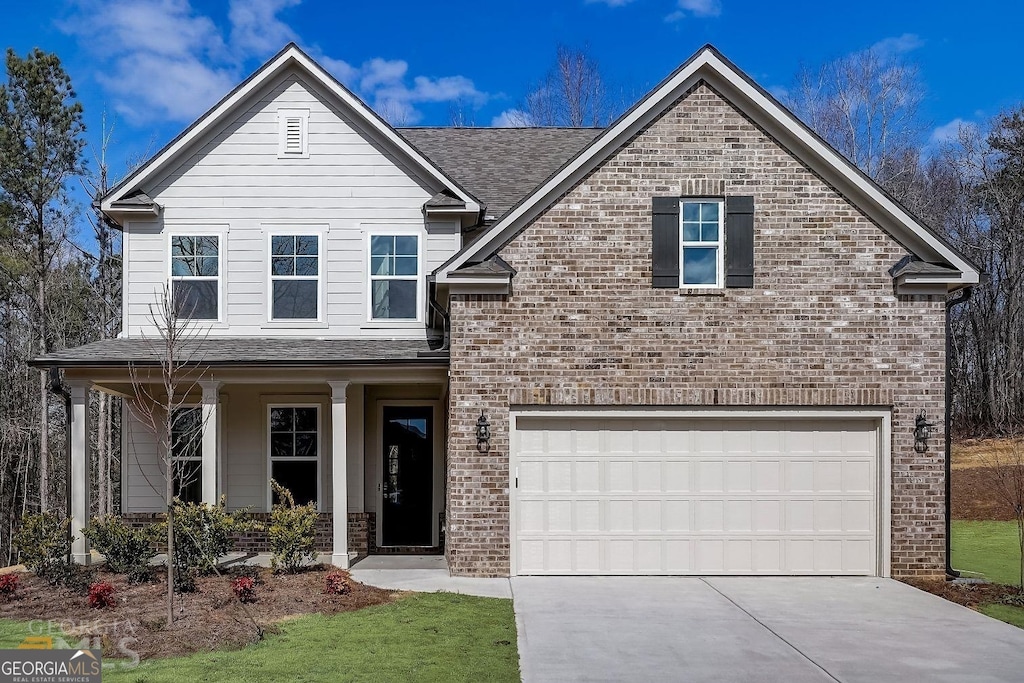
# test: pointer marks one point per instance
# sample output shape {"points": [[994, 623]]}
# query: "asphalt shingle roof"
{"points": [[499, 166], [220, 351]]}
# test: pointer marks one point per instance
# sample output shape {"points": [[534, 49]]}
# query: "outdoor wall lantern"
{"points": [[922, 432], [483, 433]]}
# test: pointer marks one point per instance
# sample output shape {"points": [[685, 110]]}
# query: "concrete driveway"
{"points": [[754, 629]]}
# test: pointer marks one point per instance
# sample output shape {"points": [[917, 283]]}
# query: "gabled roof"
{"points": [[290, 57], [500, 165], [708, 65]]}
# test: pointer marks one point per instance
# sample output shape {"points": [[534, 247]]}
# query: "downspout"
{"points": [[436, 307], [950, 303], [57, 387]]}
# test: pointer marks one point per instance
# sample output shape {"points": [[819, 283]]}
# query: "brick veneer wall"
{"points": [[584, 327], [360, 532]]}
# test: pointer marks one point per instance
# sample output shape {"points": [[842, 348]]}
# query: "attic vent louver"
{"points": [[292, 133]]}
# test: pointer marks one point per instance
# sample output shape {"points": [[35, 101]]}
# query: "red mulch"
{"points": [[966, 594], [972, 496], [209, 619]]}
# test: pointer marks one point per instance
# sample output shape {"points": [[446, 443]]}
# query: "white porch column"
{"points": [[339, 473], [211, 440], [78, 506]]}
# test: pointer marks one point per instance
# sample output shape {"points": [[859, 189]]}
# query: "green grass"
{"points": [[986, 549], [1008, 613], [424, 637]]}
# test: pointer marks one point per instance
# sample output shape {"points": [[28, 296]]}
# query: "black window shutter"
{"points": [[665, 241], [739, 241]]}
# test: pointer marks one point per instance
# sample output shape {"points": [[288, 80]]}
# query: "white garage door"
{"points": [[695, 496]]}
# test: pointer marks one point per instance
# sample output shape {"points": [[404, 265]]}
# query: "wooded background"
{"points": [[60, 263]]}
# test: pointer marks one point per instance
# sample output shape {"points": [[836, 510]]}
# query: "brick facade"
{"points": [[583, 326]]}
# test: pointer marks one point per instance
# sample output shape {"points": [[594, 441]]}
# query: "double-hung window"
{"points": [[295, 277], [195, 276], [701, 243], [295, 449], [187, 453], [394, 277]]}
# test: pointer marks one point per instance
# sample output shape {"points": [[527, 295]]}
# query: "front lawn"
{"points": [[422, 637], [987, 550]]}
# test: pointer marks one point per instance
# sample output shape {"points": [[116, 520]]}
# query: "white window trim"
{"points": [[720, 244], [221, 236], [282, 122], [318, 458], [420, 278], [198, 458], [299, 231]]}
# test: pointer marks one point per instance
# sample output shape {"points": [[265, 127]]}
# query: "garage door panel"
{"points": [[725, 497]]}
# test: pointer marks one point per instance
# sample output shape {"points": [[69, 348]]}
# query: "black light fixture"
{"points": [[483, 433], [922, 432]]}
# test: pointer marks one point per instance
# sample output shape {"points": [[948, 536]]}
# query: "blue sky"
{"points": [[155, 65]]}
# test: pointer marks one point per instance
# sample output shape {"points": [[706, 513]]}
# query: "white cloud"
{"points": [[610, 3], [947, 132], [897, 45], [164, 60], [255, 28], [511, 118], [695, 8]]}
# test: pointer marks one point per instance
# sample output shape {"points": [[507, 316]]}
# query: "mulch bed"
{"points": [[972, 497], [209, 619], [966, 594]]}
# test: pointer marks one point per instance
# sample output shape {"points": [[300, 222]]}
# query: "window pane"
{"points": [[305, 445], [394, 299], [282, 265], [282, 445], [195, 299], [206, 266], [306, 245], [380, 265], [306, 265], [691, 232], [709, 232], [305, 419], [183, 266], [405, 265], [297, 477], [406, 245], [181, 246], [206, 245], [295, 299], [700, 266], [281, 245], [691, 211], [186, 433], [281, 419], [382, 245], [709, 211], [188, 480]]}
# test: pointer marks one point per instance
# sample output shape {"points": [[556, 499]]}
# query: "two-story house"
{"points": [[696, 341]]}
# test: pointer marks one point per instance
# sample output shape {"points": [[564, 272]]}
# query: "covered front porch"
{"points": [[363, 441]]}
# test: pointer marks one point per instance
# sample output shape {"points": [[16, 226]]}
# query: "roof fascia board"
{"points": [[288, 56], [708, 65]]}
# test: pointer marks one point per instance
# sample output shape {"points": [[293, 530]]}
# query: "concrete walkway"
{"points": [[424, 573], [756, 629]]}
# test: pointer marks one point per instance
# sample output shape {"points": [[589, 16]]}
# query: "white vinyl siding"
{"points": [[348, 186], [651, 495]]}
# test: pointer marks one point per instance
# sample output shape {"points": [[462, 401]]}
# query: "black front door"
{"points": [[408, 475]]}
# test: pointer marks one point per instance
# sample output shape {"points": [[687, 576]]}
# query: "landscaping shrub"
{"points": [[291, 532], [336, 583], [44, 543], [128, 550], [202, 534], [9, 585], [244, 588], [101, 595]]}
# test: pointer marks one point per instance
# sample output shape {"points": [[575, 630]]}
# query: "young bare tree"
{"points": [[1005, 474], [573, 93], [159, 394]]}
